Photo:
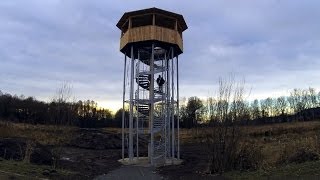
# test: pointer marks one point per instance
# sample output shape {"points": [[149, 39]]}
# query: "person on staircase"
{"points": [[160, 82], [149, 78]]}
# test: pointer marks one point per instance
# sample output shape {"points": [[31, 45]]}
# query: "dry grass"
{"points": [[113, 130], [283, 128], [43, 134], [277, 141], [280, 141]]}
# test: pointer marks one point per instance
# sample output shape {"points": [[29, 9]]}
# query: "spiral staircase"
{"points": [[142, 106]]}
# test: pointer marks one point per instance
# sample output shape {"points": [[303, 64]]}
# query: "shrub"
{"points": [[222, 150], [249, 157], [232, 153]]}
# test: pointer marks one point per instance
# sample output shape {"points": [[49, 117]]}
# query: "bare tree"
{"points": [[63, 105], [318, 99], [192, 108], [281, 105], [312, 100], [210, 108], [269, 103], [298, 102], [255, 110], [264, 108], [223, 140], [63, 116]]}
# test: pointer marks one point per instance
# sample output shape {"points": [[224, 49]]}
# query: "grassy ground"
{"points": [[86, 163], [281, 140], [20, 170], [276, 142], [43, 134], [53, 136], [290, 171]]}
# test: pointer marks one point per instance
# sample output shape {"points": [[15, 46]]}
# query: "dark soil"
{"points": [[25, 149], [93, 152], [90, 153], [96, 139], [89, 163], [194, 166]]}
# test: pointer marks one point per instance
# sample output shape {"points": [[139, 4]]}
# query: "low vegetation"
{"points": [[307, 170], [43, 134], [10, 169], [269, 150]]}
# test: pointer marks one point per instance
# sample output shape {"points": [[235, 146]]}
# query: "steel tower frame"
{"points": [[153, 111]]}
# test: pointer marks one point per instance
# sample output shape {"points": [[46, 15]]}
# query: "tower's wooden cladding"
{"points": [[143, 27]]}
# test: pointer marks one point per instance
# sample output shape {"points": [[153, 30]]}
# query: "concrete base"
{"points": [[144, 161], [173, 161], [141, 161]]}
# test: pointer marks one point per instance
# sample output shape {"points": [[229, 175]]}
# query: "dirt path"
{"points": [[131, 173]]}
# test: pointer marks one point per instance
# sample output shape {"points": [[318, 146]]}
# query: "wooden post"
{"points": [[176, 25], [130, 23]]}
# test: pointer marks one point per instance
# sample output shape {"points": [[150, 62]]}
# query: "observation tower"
{"points": [[151, 41]]}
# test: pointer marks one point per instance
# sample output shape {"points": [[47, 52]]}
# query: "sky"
{"points": [[273, 44]]}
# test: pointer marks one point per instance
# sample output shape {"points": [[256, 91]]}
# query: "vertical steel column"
{"points": [[172, 101], [168, 103], [137, 120], [178, 109], [151, 97], [123, 101], [164, 104], [131, 107]]}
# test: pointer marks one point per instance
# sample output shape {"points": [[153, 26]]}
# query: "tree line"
{"points": [[59, 111], [299, 105]]}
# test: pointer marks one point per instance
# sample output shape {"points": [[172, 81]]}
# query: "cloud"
{"points": [[273, 44]]}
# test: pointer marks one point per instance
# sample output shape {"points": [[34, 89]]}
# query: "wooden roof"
{"points": [[154, 10]]}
